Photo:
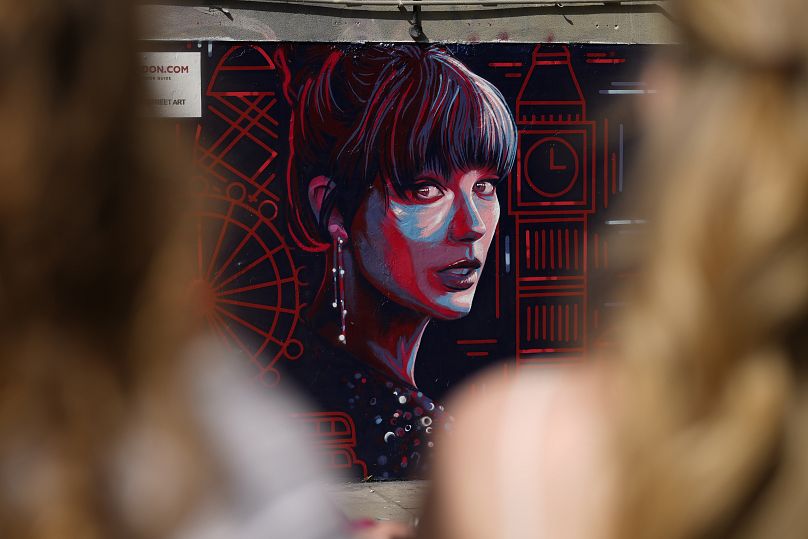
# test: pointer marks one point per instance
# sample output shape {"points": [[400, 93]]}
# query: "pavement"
{"points": [[389, 500]]}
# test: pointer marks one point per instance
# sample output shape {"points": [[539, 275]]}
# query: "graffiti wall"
{"points": [[377, 222]]}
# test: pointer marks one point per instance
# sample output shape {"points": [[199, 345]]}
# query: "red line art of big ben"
{"points": [[551, 196]]}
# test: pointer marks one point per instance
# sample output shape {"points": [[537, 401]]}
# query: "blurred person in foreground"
{"points": [[696, 424], [117, 418]]}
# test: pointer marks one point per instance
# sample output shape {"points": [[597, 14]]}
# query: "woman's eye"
{"points": [[485, 188], [426, 192]]}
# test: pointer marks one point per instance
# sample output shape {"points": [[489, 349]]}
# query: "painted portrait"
{"points": [[396, 152], [377, 222]]}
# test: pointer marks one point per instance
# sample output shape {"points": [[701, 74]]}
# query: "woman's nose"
{"points": [[467, 224]]}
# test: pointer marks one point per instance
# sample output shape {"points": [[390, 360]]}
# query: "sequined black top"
{"points": [[395, 423]]}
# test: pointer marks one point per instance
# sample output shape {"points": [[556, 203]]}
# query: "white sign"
{"points": [[174, 83]]}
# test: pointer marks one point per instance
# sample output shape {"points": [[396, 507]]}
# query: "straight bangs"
{"points": [[433, 115]]}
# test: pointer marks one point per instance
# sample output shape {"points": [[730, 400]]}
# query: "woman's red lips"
{"points": [[473, 263], [460, 275]]}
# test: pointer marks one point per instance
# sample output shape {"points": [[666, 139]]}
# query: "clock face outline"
{"points": [[556, 159]]}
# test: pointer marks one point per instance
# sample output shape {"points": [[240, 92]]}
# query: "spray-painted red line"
{"points": [[575, 321], [517, 328], [575, 250], [226, 132], [259, 124], [597, 55], [513, 75], [219, 159], [554, 204], [606, 61], [543, 249], [262, 188], [552, 249], [505, 64], [261, 169], [270, 366], [240, 94], [217, 248], [246, 68], [550, 294], [567, 323], [560, 250], [556, 120], [552, 322], [238, 341], [536, 321], [258, 306], [217, 175], [215, 326], [567, 247], [606, 163], [258, 286], [538, 250], [476, 341], [243, 131], [241, 272], [248, 234], [253, 105], [543, 102], [527, 248], [247, 325], [544, 322], [553, 350], [240, 175], [528, 325], [477, 354], [585, 250], [551, 278], [242, 115], [540, 288]]}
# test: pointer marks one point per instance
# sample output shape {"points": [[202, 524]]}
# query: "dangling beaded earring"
{"points": [[338, 273]]}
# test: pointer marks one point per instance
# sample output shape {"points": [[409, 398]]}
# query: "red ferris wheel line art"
{"points": [[246, 281], [244, 105]]}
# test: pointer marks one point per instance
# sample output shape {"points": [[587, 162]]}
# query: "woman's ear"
{"points": [[319, 188]]}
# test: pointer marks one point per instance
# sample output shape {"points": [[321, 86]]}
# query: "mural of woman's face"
{"points": [[425, 250]]}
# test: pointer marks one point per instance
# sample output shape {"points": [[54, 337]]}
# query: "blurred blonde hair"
{"points": [[92, 278], [714, 441]]}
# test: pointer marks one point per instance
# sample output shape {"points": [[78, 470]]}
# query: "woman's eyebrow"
{"points": [[430, 175], [487, 174]]}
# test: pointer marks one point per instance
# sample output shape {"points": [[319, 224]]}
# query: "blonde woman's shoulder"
{"points": [[529, 456]]}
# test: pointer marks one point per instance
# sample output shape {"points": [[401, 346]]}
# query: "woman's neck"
{"points": [[378, 331]]}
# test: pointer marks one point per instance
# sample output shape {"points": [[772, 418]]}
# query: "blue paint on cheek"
{"points": [[420, 223]]}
